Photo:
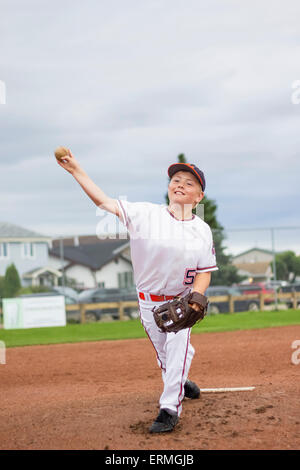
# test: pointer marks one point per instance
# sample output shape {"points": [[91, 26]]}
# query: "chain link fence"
{"points": [[264, 260]]}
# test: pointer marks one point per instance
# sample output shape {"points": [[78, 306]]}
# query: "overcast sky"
{"points": [[128, 85]]}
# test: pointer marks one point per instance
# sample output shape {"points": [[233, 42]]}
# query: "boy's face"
{"points": [[184, 188]]}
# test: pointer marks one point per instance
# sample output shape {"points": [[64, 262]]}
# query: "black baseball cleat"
{"points": [[191, 390], [165, 422]]}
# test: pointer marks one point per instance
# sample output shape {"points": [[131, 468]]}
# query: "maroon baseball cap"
{"points": [[188, 167]]}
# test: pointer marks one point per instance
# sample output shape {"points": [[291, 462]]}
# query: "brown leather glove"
{"points": [[178, 314]]}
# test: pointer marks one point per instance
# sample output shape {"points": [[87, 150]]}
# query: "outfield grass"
{"points": [[133, 329]]}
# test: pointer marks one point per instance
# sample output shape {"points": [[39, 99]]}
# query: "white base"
{"points": [[221, 390]]}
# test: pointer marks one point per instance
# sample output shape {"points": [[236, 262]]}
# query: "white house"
{"points": [[93, 262], [255, 263], [28, 251]]}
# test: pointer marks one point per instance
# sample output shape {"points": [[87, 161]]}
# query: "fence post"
{"points": [[261, 301], [82, 313], [294, 297], [121, 311], [231, 304]]}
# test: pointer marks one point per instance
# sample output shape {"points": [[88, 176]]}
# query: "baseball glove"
{"points": [[178, 314]]}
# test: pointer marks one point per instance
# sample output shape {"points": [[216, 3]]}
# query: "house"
{"points": [[254, 255], [28, 251], [92, 262], [255, 263], [87, 260]]}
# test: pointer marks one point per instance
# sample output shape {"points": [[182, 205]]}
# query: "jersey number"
{"points": [[189, 277]]}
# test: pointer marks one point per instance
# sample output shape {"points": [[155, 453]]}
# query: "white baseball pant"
{"points": [[174, 354]]}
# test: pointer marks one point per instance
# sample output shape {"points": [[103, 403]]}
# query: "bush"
{"points": [[33, 290], [1, 286], [11, 283]]}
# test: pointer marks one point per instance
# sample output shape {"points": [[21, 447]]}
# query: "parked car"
{"points": [[102, 295], [71, 293], [223, 307], [276, 285], [289, 289], [130, 293], [257, 288]]}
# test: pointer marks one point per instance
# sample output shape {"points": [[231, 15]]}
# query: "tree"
{"points": [[11, 283], [1, 286], [287, 266], [227, 273]]}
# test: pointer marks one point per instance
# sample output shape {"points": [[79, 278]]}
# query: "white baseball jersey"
{"points": [[166, 253]]}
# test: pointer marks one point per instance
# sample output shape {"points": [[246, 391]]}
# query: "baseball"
{"points": [[60, 153]]}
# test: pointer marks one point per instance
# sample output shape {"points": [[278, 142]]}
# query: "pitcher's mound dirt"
{"points": [[104, 395]]}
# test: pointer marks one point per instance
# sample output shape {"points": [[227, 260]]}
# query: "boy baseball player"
{"points": [[172, 254]]}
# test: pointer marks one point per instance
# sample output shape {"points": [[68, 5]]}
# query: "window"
{"points": [[3, 250], [28, 250], [125, 279]]}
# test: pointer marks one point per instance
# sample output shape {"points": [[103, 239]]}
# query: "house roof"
{"points": [[94, 255], [76, 240], [259, 268], [261, 250], [12, 231], [37, 271]]}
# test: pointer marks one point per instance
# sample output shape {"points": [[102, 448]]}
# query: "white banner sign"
{"points": [[34, 312]]}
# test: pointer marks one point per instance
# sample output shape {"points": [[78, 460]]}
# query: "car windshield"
{"points": [[66, 290], [87, 293], [216, 291], [235, 291], [249, 288]]}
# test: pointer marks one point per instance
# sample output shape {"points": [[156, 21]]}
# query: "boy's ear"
{"points": [[201, 196], [199, 199]]}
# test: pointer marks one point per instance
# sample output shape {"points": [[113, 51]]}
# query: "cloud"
{"points": [[128, 86]]}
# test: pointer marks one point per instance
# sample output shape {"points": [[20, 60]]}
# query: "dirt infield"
{"points": [[104, 395]]}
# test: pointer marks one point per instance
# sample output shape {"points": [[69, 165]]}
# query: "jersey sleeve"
{"points": [[133, 215], [207, 260]]}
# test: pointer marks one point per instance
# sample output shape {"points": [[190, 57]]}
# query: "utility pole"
{"points": [[274, 267], [61, 249]]}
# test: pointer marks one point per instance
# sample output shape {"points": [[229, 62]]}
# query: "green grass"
{"points": [[248, 321], [73, 333], [133, 329]]}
